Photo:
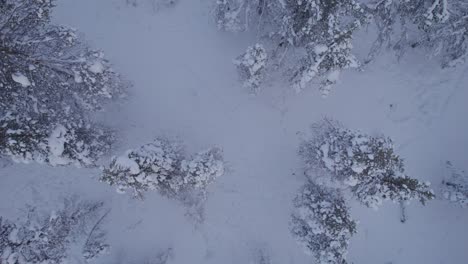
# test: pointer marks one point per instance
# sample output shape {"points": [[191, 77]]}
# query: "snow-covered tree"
{"points": [[203, 168], [447, 32], [367, 165], [316, 35], [162, 166], [317, 32], [322, 223], [50, 238], [325, 61], [251, 66], [49, 78], [152, 166], [325, 29], [438, 26], [455, 185], [75, 142]]}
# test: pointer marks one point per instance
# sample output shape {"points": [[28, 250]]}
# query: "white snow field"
{"points": [[185, 85]]}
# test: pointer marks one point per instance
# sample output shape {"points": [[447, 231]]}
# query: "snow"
{"points": [[56, 145], [96, 67], [130, 164], [334, 76], [351, 181], [13, 236], [185, 85], [77, 77], [319, 49], [12, 259], [21, 79], [358, 168], [329, 163]]}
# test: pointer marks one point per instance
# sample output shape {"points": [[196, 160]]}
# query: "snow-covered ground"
{"points": [[185, 85]]}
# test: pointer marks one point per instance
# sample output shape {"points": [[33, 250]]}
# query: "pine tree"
{"points": [[325, 29], [48, 239], [163, 166], [448, 31], [319, 30], [75, 142], [153, 166], [322, 223], [441, 28], [50, 79], [366, 165]]}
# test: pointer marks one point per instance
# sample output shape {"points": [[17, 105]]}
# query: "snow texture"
{"points": [[186, 86], [21, 79]]}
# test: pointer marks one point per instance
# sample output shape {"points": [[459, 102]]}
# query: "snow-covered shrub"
{"points": [[322, 223], [50, 238], [367, 165], [316, 33], [48, 76], [455, 185], [251, 66], [162, 166]]}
